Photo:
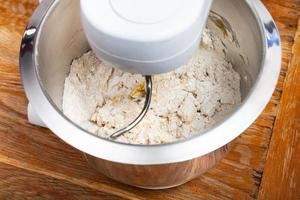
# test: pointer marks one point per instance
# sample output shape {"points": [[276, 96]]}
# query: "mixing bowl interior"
{"points": [[61, 39]]}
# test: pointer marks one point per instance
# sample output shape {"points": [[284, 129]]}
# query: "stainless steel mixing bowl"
{"points": [[54, 37]]}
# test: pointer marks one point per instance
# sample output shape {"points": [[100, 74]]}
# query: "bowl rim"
{"points": [[179, 151]]}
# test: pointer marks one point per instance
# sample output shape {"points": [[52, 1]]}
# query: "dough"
{"points": [[187, 101]]}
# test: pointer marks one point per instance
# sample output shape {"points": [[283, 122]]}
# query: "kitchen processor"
{"points": [[148, 37], [143, 36]]}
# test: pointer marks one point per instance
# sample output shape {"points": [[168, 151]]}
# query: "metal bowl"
{"points": [[54, 37]]}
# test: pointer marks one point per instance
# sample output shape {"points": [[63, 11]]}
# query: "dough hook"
{"points": [[143, 113]]}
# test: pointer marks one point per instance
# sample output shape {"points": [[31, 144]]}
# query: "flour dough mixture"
{"points": [[187, 101]]}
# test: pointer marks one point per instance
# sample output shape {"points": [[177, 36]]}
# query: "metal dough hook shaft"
{"points": [[142, 114]]}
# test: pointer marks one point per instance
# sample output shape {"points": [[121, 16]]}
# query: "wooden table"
{"points": [[264, 162]]}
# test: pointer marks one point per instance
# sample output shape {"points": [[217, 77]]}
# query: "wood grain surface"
{"points": [[35, 185], [35, 164], [282, 169]]}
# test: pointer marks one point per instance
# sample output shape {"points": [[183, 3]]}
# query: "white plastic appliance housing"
{"points": [[143, 36]]}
